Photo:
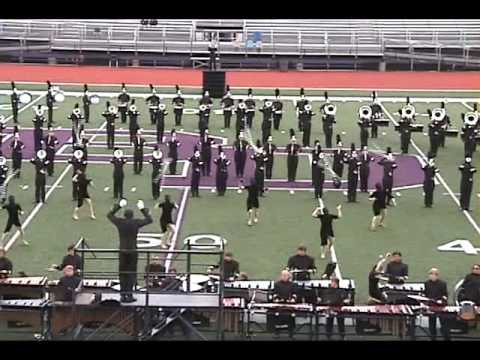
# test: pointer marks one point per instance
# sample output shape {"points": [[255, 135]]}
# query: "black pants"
{"points": [[442, 138], [387, 183], [15, 113], [363, 137], [266, 132], [240, 159], [137, 163], [318, 186], [227, 117], [51, 162], [338, 169], [50, 116], [221, 183], [250, 116], [40, 188], [269, 168], [37, 138], [17, 165], [428, 187], [340, 325], [172, 167], [292, 164], [110, 137], [328, 137], [206, 158], [276, 121], [374, 130], [74, 191], [155, 187], [469, 147], [127, 272], [118, 186], [178, 117], [153, 119], [307, 127], [444, 327], [405, 141], [465, 194], [434, 144], [195, 183], [364, 174], [352, 188], [86, 113], [160, 131], [300, 124], [123, 114], [260, 180], [133, 133]]}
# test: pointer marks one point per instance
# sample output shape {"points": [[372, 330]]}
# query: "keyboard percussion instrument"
{"points": [[23, 287]]}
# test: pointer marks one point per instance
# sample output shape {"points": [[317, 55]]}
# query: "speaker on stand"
{"points": [[214, 83]]}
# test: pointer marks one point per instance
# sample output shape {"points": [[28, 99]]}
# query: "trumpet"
{"points": [[365, 112]]}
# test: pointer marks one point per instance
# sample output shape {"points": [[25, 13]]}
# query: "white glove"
{"points": [[122, 203], [140, 205]]}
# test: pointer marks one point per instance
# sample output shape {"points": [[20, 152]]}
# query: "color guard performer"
{"points": [[436, 290], [379, 206], [173, 144], [252, 201], [269, 148], [133, 125], [41, 164], [138, 145], [307, 124], [318, 174], [178, 105], [86, 103], [250, 111], [38, 122], [277, 107], [353, 166], [82, 183], [430, 170], [17, 147], [14, 100], [327, 236], [197, 167], [293, 150], [389, 166], [240, 117], [227, 107], [365, 160], [76, 118], [328, 119], [51, 142], [78, 162], [167, 225], [110, 116], [339, 156], [222, 172], [154, 101], [240, 147], [14, 211], [466, 183], [50, 99], [3, 179], [118, 162], [205, 144], [267, 120], [299, 107], [122, 103], [157, 169], [469, 132], [160, 115], [260, 158]]}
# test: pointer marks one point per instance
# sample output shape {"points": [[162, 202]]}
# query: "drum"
{"points": [[25, 98], [467, 311], [95, 99], [59, 97]]}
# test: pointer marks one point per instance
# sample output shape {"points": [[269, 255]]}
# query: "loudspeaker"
{"points": [[214, 83]]}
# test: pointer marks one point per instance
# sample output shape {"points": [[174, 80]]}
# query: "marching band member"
{"points": [[71, 259], [445, 124], [250, 111], [76, 118], [231, 267], [160, 115], [267, 120], [110, 116], [293, 149], [377, 113], [3, 179], [328, 119], [38, 122], [206, 100], [123, 99], [227, 107], [78, 162], [365, 160], [203, 119], [284, 289], [157, 164], [260, 158], [173, 144], [307, 124], [206, 143], [3, 127], [240, 117], [338, 158], [14, 211], [82, 143], [51, 142], [269, 148], [167, 225], [318, 175], [301, 264], [407, 117], [222, 172], [375, 296], [471, 286], [327, 237], [50, 101], [435, 129], [17, 147], [469, 133], [240, 147], [178, 104], [436, 291], [128, 228], [353, 166], [396, 270], [41, 165], [133, 125], [118, 162], [336, 298], [389, 165], [364, 122], [466, 183], [6, 266], [277, 107], [138, 145], [317, 149], [253, 203], [379, 206], [14, 100], [86, 103], [197, 168], [82, 183], [69, 283], [299, 107], [430, 170], [154, 102]]}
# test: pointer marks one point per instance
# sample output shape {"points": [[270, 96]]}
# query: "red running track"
{"points": [[368, 80]]}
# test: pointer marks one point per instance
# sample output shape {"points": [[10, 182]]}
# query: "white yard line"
{"points": [[333, 256], [178, 222], [37, 208], [438, 176], [467, 106], [41, 94]]}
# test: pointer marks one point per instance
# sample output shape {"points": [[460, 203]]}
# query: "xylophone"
{"points": [[23, 287], [398, 293], [268, 284], [281, 306]]}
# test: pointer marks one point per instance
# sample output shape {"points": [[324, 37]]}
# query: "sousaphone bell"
{"points": [[365, 112], [330, 109]]}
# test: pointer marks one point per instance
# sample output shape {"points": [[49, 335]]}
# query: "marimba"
{"points": [[398, 293], [23, 287]]}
